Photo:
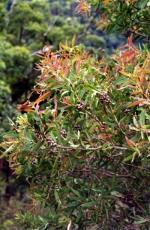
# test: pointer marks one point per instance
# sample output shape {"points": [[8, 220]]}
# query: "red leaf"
{"points": [[25, 107], [140, 102]]}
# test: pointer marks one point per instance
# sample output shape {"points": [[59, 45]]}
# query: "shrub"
{"points": [[83, 142], [82, 138]]}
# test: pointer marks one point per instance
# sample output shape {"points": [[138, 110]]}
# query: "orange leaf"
{"points": [[129, 53], [83, 7], [127, 56], [105, 136], [41, 98], [78, 66], [66, 101], [130, 143], [106, 2], [140, 102]]}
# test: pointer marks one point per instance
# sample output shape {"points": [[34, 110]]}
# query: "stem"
{"points": [[91, 149]]}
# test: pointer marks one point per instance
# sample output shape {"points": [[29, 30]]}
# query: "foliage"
{"points": [[82, 137], [124, 15], [83, 143]]}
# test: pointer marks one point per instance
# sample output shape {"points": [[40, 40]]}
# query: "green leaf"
{"points": [[76, 192], [142, 3], [142, 221], [37, 146], [88, 204], [57, 198], [142, 118]]}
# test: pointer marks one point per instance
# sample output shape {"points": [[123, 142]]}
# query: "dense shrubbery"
{"points": [[82, 138], [83, 143]]}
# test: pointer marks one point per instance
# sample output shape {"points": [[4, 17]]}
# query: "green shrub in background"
{"points": [[5, 95], [21, 34], [20, 57]]}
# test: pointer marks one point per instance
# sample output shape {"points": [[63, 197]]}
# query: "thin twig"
{"points": [[91, 149]]}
